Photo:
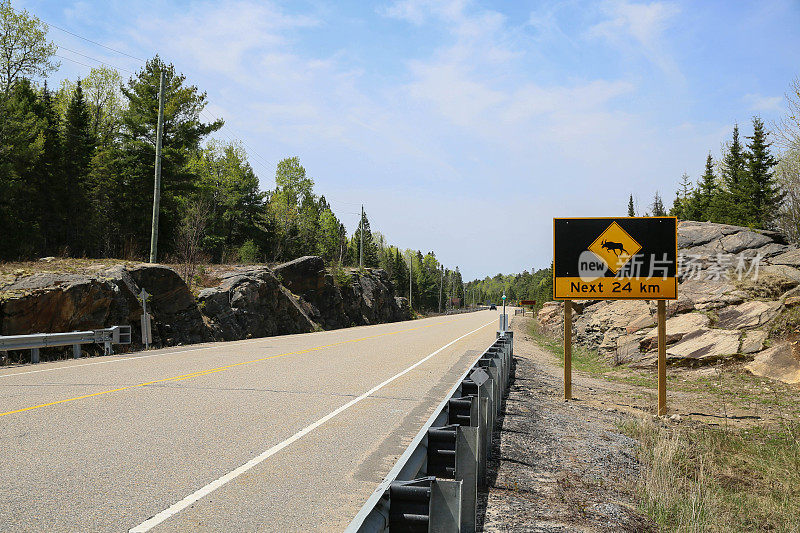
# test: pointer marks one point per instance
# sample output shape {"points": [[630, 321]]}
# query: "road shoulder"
{"points": [[558, 466]]}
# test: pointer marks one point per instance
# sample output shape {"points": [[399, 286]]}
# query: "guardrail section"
{"points": [[106, 337], [434, 484]]}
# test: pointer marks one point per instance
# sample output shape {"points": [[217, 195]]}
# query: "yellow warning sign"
{"points": [[615, 247]]}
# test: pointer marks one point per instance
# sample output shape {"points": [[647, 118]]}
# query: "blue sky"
{"points": [[464, 127]]}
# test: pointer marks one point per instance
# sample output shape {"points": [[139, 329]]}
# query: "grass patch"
{"points": [[786, 324], [719, 480], [591, 362], [582, 358]]}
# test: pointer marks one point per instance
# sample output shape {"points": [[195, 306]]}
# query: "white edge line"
{"points": [[177, 507], [197, 349]]}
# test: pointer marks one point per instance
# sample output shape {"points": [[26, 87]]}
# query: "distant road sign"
{"points": [[528, 302], [615, 258]]}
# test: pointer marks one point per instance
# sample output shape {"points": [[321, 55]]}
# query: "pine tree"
{"points": [[49, 178], [763, 191], [370, 247], [682, 207], [631, 210], [733, 168], [78, 147], [182, 135], [657, 207], [733, 197], [706, 192]]}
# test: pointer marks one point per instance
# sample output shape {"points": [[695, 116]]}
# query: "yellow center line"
{"points": [[220, 368]]}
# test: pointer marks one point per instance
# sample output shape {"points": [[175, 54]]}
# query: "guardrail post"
{"points": [[445, 506], [467, 449], [76, 351], [485, 436], [491, 367], [34, 355], [409, 505]]}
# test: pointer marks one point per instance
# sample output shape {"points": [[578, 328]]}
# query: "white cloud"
{"points": [[766, 104], [640, 28]]}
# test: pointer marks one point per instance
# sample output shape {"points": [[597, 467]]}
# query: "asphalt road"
{"points": [[286, 433]]}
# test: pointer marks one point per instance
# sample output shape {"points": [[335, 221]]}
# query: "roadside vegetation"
{"points": [[738, 473], [702, 478]]}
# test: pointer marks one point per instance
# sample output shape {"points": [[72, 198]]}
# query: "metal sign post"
{"points": [[630, 258], [147, 328]]}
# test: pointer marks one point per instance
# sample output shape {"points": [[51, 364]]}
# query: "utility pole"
{"points": [[441, 280], [410, 268], [361, 246], [157, 183]]}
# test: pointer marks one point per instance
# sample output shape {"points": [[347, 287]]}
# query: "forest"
{"points": [[76, 178]]}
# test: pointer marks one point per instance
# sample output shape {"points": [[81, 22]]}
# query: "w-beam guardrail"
{"points": [[434, 485], [107, 337]]}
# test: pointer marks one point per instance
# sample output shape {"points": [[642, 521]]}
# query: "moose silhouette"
{"points": [[615, 247]]}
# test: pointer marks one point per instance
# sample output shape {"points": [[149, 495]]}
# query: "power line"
{"points": [[93, 59], [73, 60], [95, 42], [252, 152]]}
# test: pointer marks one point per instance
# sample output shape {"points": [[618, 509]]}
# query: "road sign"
{"points": [[615, 258], [527, 302]]}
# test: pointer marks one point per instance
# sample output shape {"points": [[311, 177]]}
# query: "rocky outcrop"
{"points": [[255, 301], [252, 303], [779, 362], [55, 302], [347, 297], [735, 283]]}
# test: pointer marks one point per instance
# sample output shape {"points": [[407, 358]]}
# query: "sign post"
{"points": [[568, 350], [616, 259], [662, 357]]}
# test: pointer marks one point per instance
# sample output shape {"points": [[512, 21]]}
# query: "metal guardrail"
{"points": [[107, 337], [434, 484]]}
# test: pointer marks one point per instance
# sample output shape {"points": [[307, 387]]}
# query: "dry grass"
{"points": [[699, 478]]}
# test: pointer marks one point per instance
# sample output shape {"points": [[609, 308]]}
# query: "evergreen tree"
{"points": [[631, 210], [182, 133], [733, 168], [763, 191], [105, 183], [78, 147], [657, 207], [706, 192], [21, 146], [370, 247], [328, 241], [48, 178], [682, 206], [401, 273], [228, 186], [733, 196]]}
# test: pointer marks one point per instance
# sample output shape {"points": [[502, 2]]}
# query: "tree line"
{"points": [[536, 285], [77, 174], [751, 184]]}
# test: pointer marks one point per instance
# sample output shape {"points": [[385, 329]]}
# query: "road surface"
{"points": [[287, 433]]}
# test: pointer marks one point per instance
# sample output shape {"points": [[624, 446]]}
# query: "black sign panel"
{"points": [[615, 258]]}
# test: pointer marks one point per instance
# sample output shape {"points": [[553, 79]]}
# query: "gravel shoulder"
{"points": [[558, 466]]}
